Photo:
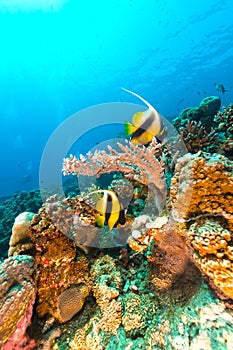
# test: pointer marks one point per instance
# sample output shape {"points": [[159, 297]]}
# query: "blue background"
{"points": [[58, 57]]}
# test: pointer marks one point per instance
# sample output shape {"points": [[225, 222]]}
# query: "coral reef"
{"points": [[106, 284], [17, 296], [147, 323], [204, 323], [224, 119], [148, 290], [199, 134], [138, 308]]}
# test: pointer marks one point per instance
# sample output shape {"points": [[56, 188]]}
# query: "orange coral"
{"points": [[203, 186], [17, 294], [57, 267], [214, 255], [202, 191]]}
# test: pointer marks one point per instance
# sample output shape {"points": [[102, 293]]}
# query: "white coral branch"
{"points": [[136, 162]]}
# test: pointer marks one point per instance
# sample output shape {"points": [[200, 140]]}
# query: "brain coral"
{"points": [[16, 294], [71, 301]]}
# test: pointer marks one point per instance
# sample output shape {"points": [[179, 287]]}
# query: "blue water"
{"points": [[58, 57]]}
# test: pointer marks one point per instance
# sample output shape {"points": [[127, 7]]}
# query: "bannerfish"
{"points": [[145, 125], [110, 210], [220, 88]]}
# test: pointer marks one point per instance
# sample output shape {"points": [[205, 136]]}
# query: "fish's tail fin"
{"points": [[129, 128]]}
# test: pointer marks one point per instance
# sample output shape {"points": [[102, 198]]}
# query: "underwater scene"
{"points": [[116, 191]]}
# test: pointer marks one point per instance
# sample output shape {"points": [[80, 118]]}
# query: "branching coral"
{"points": [[17, 296], [134, 161], [195, 136]]}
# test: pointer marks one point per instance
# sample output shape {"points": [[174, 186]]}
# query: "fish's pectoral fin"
{"points": [[129, 128]]}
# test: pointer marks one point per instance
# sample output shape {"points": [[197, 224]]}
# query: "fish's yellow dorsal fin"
{"points": [[138, 119]]}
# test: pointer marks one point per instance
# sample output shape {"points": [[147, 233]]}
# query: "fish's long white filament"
{"points": [[142, 99]]}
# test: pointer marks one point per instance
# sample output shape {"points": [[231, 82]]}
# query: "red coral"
{"points": [[19, 340]]}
